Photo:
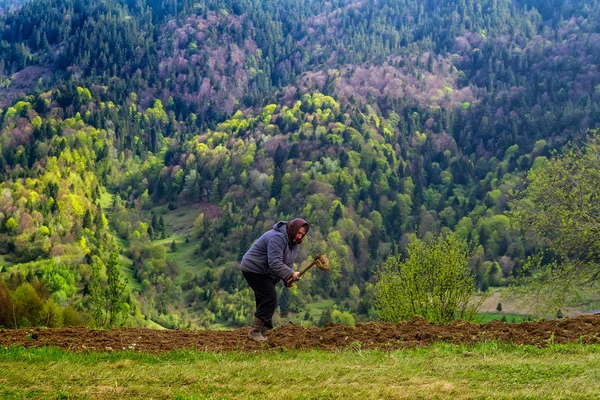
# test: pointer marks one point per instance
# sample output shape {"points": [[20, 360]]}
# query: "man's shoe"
{"points": [[256, 328]]}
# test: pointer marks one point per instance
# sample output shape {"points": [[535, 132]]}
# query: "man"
{"points": [[269, 260]]}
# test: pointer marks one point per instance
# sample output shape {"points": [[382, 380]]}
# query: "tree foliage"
{"points": [[108, 296], [369, 119], [561, 206], [433, 282]]}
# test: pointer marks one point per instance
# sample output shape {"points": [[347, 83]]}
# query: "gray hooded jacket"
{"points": [[272, 254]]}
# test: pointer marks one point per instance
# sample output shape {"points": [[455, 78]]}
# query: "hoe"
{"points": [[320, 260]]}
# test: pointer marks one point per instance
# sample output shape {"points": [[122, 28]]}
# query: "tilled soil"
{"points": [[370, 335]]}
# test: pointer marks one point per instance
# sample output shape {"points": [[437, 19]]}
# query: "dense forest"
{"points": [[145, 145]]}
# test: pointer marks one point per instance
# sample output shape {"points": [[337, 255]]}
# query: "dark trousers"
{"points": [[264, 294]]}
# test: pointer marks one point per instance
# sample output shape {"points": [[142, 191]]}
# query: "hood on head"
{"points": [[280, 226], [294, 226]]}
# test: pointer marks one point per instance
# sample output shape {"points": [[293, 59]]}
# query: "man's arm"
{"points": [[275, 249]]}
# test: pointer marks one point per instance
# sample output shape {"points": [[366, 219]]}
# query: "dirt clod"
{"points": [[370, 335]]}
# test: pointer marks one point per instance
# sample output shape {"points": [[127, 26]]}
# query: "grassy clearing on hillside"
{"points": [[441, 371], [106, 200], [178, 222], [317, 308], [126, 267], [183, 256], [482, 318], [179, 226]]}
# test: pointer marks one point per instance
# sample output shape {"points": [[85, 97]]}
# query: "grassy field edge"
{"points": [[485, 370]]}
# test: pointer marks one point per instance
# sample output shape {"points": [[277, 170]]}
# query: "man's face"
{"points": [[300, 235]]}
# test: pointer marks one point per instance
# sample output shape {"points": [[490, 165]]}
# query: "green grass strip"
{"points": [[487, 370]]}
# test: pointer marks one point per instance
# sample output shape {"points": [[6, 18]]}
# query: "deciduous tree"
{"points": [[561, 206], [433, 282]]}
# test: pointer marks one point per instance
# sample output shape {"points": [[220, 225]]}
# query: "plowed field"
{"points": [[371, 335]]}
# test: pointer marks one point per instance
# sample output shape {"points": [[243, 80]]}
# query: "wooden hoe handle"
{"points": [[316, 260], [309, 266]]}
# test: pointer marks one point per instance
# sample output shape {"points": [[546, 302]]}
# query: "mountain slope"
{"points": [[207, 122]]}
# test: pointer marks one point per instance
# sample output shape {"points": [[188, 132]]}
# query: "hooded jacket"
{"points": [[272, 254]]}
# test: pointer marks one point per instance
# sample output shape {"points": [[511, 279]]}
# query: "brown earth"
{"points": [[371, 335]]}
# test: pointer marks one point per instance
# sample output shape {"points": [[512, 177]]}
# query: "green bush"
{"points": [[27, 306], [51, 315], [434, 282], [6, 306]]}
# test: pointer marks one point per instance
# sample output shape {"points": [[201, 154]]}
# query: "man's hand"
{"points": [[295, 277]]}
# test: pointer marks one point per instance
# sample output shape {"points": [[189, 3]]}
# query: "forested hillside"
{"points": [[156, 140]]}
